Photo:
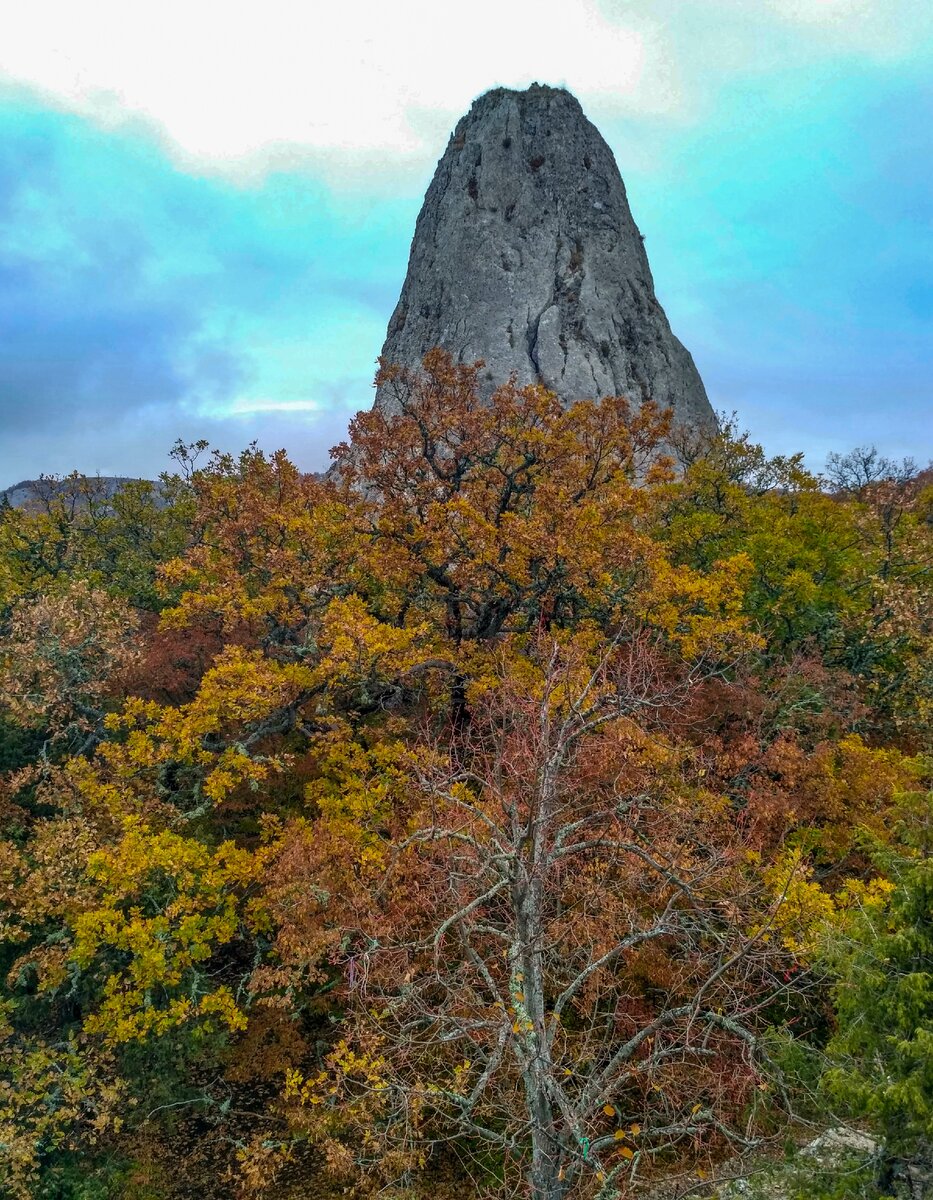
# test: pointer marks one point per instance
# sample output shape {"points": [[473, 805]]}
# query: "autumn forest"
{"points": [[534, 805]]}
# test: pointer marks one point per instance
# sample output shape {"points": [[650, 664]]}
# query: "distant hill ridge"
{"points": [[81, 488]]}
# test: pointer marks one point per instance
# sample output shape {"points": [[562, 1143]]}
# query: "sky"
{"points": [[206, 208]]}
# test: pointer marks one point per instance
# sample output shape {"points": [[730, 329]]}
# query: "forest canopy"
{"points": [[535, 804]]}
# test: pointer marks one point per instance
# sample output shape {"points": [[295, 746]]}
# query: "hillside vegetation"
{"points": [[536, 805]]}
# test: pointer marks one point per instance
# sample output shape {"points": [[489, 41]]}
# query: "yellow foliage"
{"points": [[805, 911], [701, 611], [165, 905], [356, 791], [51, 1096]]}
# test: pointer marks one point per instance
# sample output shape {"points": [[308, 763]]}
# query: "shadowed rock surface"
{"points": [[526, 255]]}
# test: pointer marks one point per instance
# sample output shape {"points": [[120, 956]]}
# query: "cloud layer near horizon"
{"points": [[204, 221]]}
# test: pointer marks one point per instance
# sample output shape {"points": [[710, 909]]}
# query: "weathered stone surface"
{"points": [[526, 255]]}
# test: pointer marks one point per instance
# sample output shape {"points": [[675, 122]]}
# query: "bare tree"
{"points": [[578, 983], [865, 466]]}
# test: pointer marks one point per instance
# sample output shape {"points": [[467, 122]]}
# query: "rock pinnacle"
{"points": [[526, 255]]}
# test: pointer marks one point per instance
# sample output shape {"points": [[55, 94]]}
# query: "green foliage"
{"points": [[74, 530], [847, 570], [882, 1051], [847, 1177], [18, 746]]}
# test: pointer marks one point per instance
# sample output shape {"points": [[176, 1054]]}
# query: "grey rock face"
{"points": [[526, 255]]}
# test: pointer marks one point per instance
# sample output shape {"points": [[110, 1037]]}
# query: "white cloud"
{"points": [[373, 85], [250, 405], [225, 82]]}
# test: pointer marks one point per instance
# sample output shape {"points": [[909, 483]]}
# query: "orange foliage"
{"points": [[450, 805]]}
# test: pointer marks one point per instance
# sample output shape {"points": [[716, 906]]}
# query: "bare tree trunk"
{"points": [[544, 1170], [529, 903]]}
